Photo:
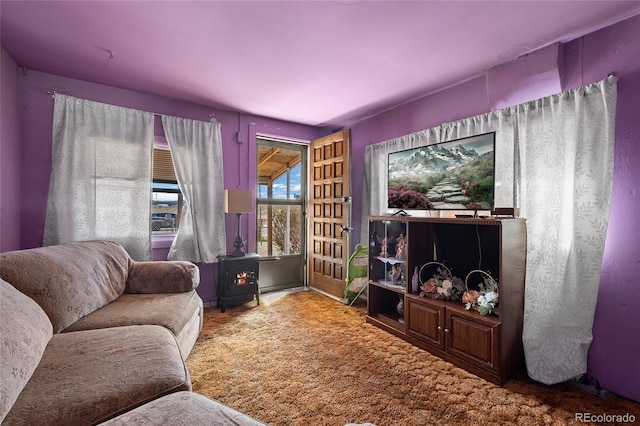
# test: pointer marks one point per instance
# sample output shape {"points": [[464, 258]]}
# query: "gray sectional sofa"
{"points": [[88, 334]]}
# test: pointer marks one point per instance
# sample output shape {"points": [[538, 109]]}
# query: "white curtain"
{"points": [[100, 185], [566, 153], [554, 160], [196, 150]]}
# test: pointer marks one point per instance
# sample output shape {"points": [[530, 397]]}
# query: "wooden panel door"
{"points": [[329, 211]]}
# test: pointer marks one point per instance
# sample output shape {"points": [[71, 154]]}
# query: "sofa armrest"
{"points": [[162, 277]]}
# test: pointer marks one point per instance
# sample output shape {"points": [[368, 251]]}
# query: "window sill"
{"points": [[162, 241]]}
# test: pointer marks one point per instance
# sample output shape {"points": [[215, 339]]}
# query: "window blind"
{"points": [[163, 165]]}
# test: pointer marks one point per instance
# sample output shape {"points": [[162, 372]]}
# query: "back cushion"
{"points": [[25, 331], [68, 281]]}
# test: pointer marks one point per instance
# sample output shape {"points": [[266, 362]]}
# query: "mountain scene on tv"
{"points": [[452, 176]]}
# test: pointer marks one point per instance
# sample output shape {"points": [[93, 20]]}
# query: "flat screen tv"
{"points": [[453, 175]]}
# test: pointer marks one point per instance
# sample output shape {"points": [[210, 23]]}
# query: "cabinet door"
{"points": [[425, 321], [473, 338], [388, 253]]}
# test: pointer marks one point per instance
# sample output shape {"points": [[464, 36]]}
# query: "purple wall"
{"points": [[613, 356], [36, 117], [9, 155]]}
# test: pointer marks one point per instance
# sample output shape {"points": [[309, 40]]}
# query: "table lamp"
{"points": [[238, 201]]}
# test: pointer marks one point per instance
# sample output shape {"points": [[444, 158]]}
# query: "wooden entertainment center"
{"points": [[489, 346]]}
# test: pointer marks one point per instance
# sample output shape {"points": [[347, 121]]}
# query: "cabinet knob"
{"points": [[446, 330], [439, 328]]}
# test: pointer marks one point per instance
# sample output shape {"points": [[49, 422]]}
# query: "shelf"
{"points": [[458, 220], [390, 260], [457, 307], [398, 288], [390, 320]]}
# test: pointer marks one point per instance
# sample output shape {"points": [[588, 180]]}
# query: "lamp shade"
{"points": [[238, 201]]}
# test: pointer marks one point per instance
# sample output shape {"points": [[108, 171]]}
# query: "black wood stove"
{"points": [[238, 279]]}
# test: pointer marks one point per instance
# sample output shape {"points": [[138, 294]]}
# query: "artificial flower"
{"points": [[443, 292], [443, 285], [429, 286], [485, 300], [491, 296], [469, 298]]}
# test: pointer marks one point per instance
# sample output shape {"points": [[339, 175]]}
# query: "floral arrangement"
{"points": [[485, 300], [442, 285]]}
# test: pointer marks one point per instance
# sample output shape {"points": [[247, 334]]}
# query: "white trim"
{"points": [[275, 138]]}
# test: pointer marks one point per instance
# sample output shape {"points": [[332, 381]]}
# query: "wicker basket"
{"points": [[485, 299], [441, 265], [440, 290], [486, 277]]}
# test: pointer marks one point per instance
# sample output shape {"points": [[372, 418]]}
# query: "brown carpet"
{"points": [[300, 360]]}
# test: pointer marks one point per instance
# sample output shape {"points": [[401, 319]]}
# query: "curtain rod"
{"points": [[212, 116]]}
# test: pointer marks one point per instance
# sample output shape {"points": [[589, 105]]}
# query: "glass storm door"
{"points": [[281, 218]]}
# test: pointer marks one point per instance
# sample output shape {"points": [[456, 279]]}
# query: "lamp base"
{"points": [[237, 253], [238, 244]]}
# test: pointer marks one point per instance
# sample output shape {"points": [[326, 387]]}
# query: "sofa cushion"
{"points": [[184, 408], [25, 331], [69, 280], [172, 310], [162, 277], [189, 335], [86, 377]]}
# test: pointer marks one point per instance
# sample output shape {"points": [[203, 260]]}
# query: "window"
{"points": [[166, 202]]}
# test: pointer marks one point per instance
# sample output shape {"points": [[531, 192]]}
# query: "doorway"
{"points": [[281, 213]]}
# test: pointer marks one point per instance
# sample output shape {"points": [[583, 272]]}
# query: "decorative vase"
{"points": [[414, 281], [400, 307]]}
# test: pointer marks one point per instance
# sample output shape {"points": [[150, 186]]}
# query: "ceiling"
{"points": [[321, 63], [274, 161]]}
